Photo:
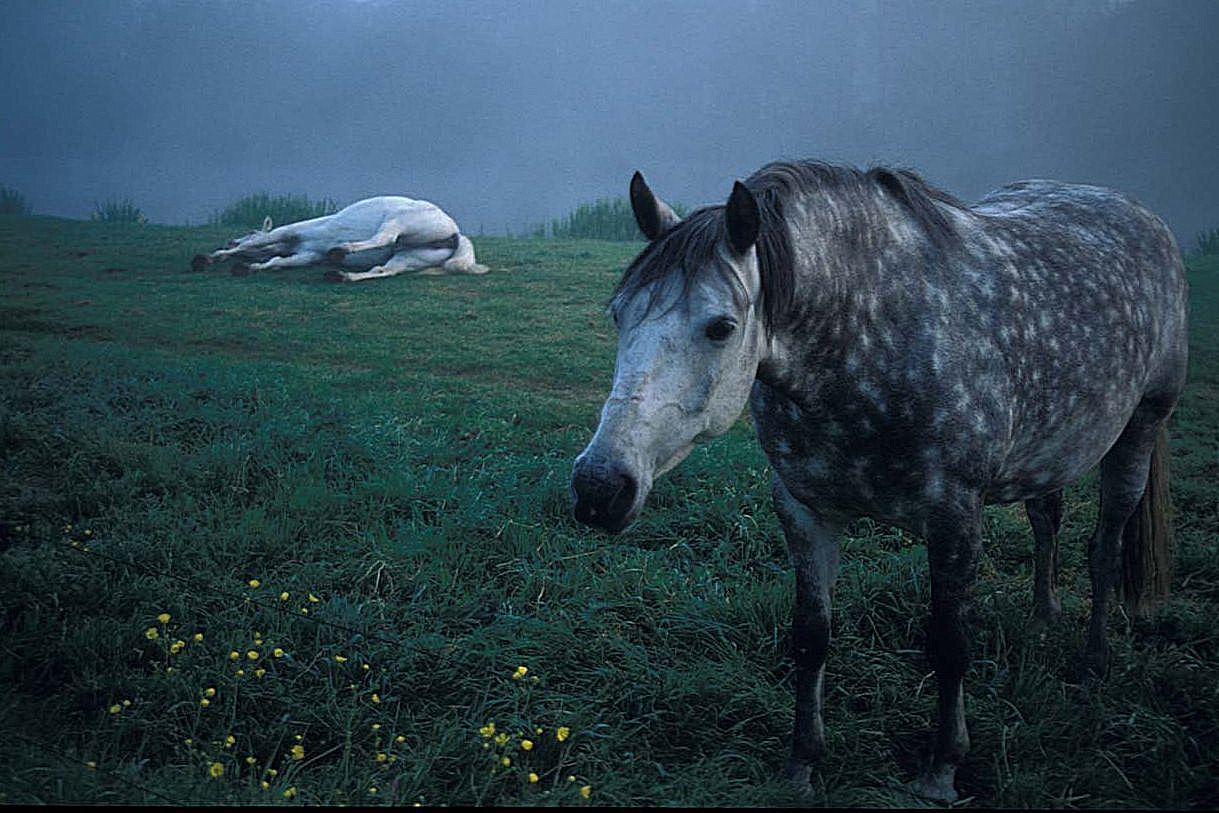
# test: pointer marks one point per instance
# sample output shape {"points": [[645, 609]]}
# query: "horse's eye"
{"points": [[720, 329]]}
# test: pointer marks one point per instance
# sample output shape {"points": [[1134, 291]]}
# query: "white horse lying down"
{"points": [[379, 237]]}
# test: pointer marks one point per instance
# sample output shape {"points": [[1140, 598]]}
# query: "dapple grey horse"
{"points": [[380, 237], [908, 358]]}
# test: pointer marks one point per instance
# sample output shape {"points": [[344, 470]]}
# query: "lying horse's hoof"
{"points": [[241, 270], [332, 275], [336, 254], [199, 262]]}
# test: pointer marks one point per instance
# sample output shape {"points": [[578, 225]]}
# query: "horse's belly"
{"points": [[367, 259]]}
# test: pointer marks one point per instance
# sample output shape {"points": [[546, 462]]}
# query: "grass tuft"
{"points": [[250, 211]]}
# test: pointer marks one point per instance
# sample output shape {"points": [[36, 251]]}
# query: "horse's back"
{"points": [[1089, 312], [364, 218]]}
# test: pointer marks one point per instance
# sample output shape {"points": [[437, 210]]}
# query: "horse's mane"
{"points": [[679, 253]]}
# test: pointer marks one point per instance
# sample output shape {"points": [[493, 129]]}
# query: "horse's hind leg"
{"points": [[814, 551], [1123, 479], [1045, 517]]}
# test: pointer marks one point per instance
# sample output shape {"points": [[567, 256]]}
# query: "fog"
{"points": [[510, 114]]}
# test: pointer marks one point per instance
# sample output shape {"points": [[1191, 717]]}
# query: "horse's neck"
{"points": [[856, 271]]}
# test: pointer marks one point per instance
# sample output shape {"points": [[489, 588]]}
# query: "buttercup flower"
{"points": [[586, 791], [520, 672], [210, 692], [116, 708], [164, 618], [277, 652], [290, 792], [563, 733], [151, 633], [527, 745], [255, 583], [198, 637], [488, 730], [216, 770], [298, 752], [533, 778]]}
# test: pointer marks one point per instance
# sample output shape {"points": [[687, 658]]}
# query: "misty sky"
{"points": [[511, 113]]}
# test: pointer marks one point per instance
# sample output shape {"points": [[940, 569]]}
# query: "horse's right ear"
{"points": [[266, 223], [653, 215]]}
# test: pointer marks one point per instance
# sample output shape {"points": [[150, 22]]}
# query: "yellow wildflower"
{"points": [[533, 777], [251, 759], [264, 784], [501, 738], [205, 702], [277, 652], [376, 726], [527, 745], [298, 752], [272, 773], [116, 708], [520, 672], [339, 659], [176, 647], [259, 672], [399, 739], [90, 764], [313, 599], [290, 792], [151, 633], [488, 730], [210, 692], [198, 637], [365, 666], [372, 791], [216, 770], [283, 596], [586, 791], [382, 756], [255, 583], [505, 761], [252, 654], [240, 673], [376, 698], [164, 618], [563, 733], [230, 741], [234, 655]]}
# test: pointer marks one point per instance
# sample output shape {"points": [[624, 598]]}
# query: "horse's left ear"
{"points": [[743, 218], [266, 223]]}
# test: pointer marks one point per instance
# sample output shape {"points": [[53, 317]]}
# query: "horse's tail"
{"points": [[1148, 551]]}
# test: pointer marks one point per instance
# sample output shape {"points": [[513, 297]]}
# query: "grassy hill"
{"points": [[351, 503]]}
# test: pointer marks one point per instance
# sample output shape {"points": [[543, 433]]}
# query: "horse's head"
{"points": [[266, 227], [690, 338]]}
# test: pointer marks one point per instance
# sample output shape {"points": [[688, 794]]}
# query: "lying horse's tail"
{"points": [[1147, 543]]}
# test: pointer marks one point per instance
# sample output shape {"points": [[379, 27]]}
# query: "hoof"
{"points": [[199, 262], [336, 255], [798, 773], [335, 276], [241, 270], [935, 785]]}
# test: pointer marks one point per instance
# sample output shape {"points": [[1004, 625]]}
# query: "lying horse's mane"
{"points": [[689, 246]]}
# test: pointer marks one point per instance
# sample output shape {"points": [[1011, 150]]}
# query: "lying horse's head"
{"points": [[690, 337]]}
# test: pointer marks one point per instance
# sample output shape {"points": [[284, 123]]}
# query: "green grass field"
{"points": [[350, 501]]}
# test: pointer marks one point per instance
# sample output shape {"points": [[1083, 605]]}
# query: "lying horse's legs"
{"points": [[954, 542], [403, 261], [1123, 478], [814, 550], [1045, 516], [291, 261]]}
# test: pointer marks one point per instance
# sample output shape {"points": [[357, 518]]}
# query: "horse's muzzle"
{"points": [[604, 494]]}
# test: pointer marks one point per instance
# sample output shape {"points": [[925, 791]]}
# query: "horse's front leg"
{"points": [[954, 543], [297, 260], [813, 543]]}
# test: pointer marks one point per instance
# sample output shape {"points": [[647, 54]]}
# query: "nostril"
{"points": [[604, 494]]}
